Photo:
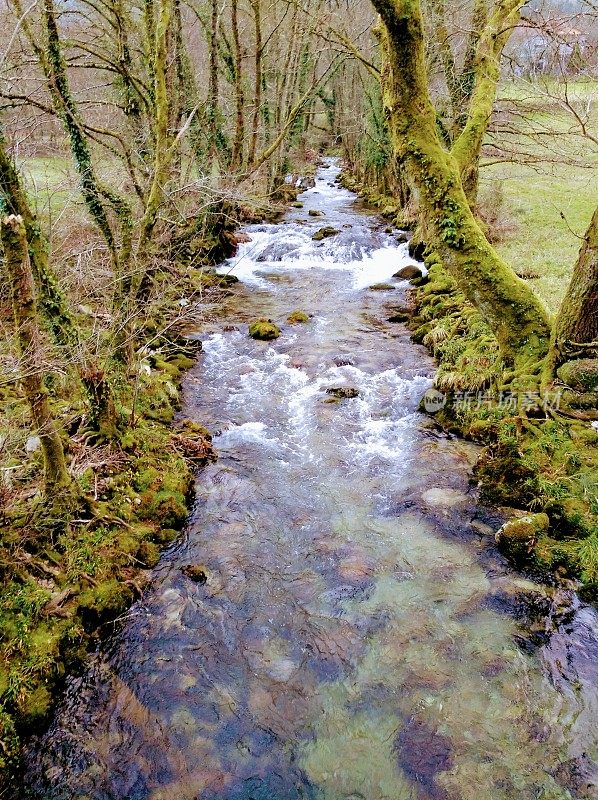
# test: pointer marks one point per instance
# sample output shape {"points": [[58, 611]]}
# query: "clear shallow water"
{"points": [[357, 638]]}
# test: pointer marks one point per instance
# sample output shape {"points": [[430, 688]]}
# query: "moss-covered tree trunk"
{"points": [[239, 140], [18, 268], [52, 302], [481, 80], [510, 308], [258, 69], [575, 333]]}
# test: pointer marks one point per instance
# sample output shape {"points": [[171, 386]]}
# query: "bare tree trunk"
{"points": [[14, 242], [508, 305]]}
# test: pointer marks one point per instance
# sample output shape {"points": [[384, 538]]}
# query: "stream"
{"points": [[358, 636]]}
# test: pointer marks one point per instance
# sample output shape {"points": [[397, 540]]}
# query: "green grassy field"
{"points": [[538, 242]]}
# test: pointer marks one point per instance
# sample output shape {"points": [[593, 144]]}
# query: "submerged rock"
{"points": [[409, 272], [518, 537], [343, 392], [264, 330], [298, 317], [324, 233], [196, 573], [381, 287]]}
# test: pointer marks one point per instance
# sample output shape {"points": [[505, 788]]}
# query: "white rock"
{"points": [[33, 444]]}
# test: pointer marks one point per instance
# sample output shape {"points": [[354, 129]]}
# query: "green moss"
{"points": [[103, 604], [581, 375], [167, 508], [519, 537], [35, 708], [264, 330], [148, 554], [298, 317]]}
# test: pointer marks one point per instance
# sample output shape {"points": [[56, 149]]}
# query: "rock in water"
{"points": [[264, 330], [196, 573], [343, 392], [297, 317], [324, 233], [315, 213], [408, 273]]}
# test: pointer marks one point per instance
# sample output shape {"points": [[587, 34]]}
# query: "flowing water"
{"points": [[357, 638]]}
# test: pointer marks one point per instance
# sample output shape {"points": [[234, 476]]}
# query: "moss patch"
{"points": [[264, 330]]}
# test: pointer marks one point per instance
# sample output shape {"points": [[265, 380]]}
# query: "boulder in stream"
{"points": [[196, 573], [313, 212], [343, 392], [324, 233], [409, 272], [264, 330], [298, 317]]}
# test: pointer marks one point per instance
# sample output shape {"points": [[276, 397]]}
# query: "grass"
{"points": [[540, 245]]}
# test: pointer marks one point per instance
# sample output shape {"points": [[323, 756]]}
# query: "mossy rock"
{"points": [[297, 204], [148, 554], [168, 509], [103, 603], [212, 280], [324, 233], [343, 392], [315, 213], [518, 537], [165, 536], [298, 317], [264, 330], [382, 287], [581, 375]]}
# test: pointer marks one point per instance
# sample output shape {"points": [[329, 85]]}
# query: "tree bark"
{"points": [[237, 156], [52, 302], [506, 303], [575, 332], [14, 242], [257, 97]]}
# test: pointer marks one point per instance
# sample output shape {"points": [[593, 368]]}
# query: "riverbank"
{"points": [[540, 460], [66, 588]]}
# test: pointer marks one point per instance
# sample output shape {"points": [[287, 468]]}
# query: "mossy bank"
{"points": [[65, 584]]}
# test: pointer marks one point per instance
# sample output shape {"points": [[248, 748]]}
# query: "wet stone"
{"points": [[324, 233], [408, 273], [343, 392], [422, 753], [196, 573]]}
